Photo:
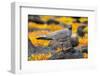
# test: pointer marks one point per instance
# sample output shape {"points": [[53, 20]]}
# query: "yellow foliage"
{"points": [[46, 18], [83, 41], [83, 19], [65, 20], [74, 27], [58, 50], [86, 29], [34, 25], [34, 35], [51, 27], [41, 56], [54, 27], [85, 55]]}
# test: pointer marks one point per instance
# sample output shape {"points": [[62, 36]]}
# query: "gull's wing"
{"points": [[61, 34]]}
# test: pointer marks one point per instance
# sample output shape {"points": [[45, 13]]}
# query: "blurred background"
{"points": [[65, 32]]}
